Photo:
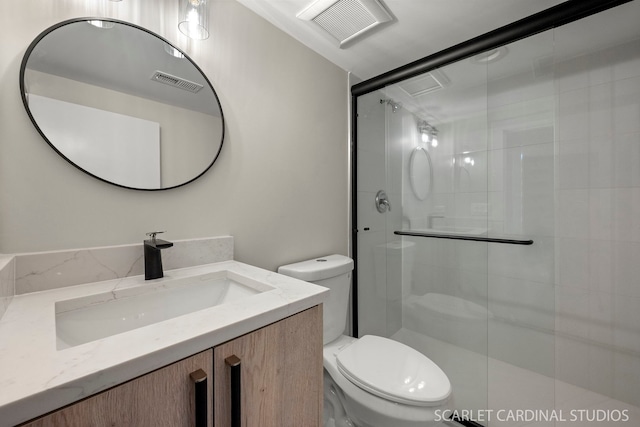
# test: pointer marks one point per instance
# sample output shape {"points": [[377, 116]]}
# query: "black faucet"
{"points": [[152, 256]]}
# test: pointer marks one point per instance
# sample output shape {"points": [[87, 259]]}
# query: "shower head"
{"points": [[394, 105]]}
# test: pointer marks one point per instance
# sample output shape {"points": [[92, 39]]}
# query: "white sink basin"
{"points": [[93, 317]]}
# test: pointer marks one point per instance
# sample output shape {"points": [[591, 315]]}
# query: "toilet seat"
{"points": [[393, 371]]}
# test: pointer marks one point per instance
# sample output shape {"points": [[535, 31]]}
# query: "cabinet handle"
{"points": [[236, 394], [199, 379]]}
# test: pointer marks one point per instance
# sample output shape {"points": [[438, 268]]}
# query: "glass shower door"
{"points": [[424, 142], [377, 203], [536, 143], [521, 292]]}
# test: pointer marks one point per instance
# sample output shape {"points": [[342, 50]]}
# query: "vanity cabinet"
{"points": [[280, 385], [280, 369], [165, 397]]}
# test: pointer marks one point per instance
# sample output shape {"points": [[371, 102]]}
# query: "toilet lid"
{"points": [[393, 371]]}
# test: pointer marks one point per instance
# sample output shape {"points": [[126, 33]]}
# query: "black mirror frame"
{"points": [[25, 102]]}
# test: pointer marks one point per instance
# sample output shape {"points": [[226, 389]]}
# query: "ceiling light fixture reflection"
{"points": [[490, 56], [428, 133], [193, 19], [173, 51], [101, 24]]}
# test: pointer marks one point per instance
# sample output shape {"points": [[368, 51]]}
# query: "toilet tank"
{"points": [[333, 272]]}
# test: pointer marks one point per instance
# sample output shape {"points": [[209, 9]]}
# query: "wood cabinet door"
{"points": [[165, 397], [281, 374]]}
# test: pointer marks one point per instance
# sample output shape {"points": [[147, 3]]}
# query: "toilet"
{"points": [[370, 381]]}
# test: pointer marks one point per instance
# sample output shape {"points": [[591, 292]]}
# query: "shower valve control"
{"points": [[382, 203]]}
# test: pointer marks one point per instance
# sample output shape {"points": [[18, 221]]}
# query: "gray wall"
{"points": [[280, 186]]}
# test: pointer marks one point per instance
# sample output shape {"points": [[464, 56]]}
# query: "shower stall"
{"points": [[496, 216]]}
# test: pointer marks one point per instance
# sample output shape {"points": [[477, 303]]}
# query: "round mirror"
{"points": [[122, 104], [420, 173]]}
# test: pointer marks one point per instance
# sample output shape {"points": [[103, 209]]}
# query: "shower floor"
{"points": [[509, 396]]}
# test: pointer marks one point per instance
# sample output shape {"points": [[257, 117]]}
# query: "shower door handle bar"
{"points": [[464, 237]]}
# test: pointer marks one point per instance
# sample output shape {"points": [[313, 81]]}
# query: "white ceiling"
{"points": [[420, 28], [122, 58]]}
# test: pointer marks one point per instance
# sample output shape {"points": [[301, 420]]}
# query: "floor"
{"points": [[500, 394]]}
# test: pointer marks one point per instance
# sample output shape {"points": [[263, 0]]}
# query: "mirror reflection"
{"points": [[420, 173], [122, 104]]}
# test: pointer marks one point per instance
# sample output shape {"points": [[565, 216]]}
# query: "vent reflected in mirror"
{"points": [[91, 90]]}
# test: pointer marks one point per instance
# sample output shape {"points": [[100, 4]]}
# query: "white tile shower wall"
{"points": [[597, 216], [7, 282], [48, 270]]}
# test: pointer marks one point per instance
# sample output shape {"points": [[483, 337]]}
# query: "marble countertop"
{"points": [[36, 378]]}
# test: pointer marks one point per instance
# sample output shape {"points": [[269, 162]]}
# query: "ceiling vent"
{"points": [[345, 20], [425, 83], [174, 81]]}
